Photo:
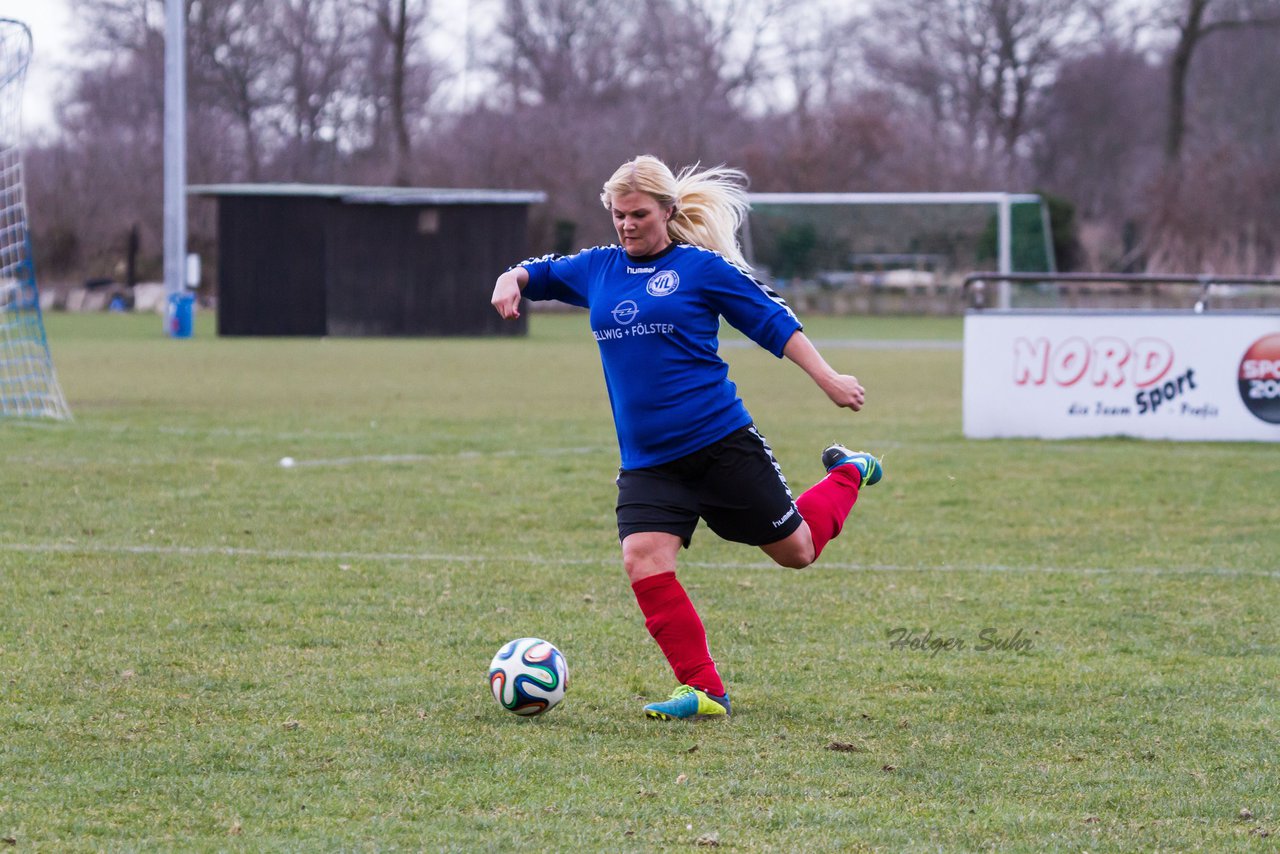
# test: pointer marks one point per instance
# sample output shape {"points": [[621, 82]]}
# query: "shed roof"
{"points": [[358, 195]]}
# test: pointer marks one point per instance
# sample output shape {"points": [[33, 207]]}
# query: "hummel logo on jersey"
{"points": [[634, 270], [662, 284]]}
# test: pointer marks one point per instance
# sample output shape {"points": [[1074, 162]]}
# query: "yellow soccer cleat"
{"points": [[688, 703]]}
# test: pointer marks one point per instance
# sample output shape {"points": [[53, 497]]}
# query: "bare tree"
{"points": [[395, 25], [588, 84], [1213, 207], [111, 140], [720, 49], [1097, 143], [230, 69], [315, 113], [1099, 129], [977, 66], [1197, 20], [398, 80], [1235, 88], [115, 26], [818, 65], [847, 146], [702, 64], [552, 52]]}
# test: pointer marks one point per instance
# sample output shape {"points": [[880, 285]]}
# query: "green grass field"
{"points": [[201, 650]]}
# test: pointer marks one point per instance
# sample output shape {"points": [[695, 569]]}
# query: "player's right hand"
{"points": [[506, 296]]}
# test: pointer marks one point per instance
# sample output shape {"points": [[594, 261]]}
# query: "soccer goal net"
{"points": [[28, 385], [895, 241]]}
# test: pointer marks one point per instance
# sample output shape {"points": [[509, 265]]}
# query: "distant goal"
{"points": [[894, 241], [28, 385]]}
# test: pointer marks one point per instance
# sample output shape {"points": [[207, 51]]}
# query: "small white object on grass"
{"points": [[287, 462]]}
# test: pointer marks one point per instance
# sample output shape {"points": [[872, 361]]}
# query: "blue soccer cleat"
{"points": [[870, 468], [688, 703]]}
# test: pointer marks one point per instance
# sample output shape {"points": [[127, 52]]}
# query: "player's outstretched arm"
{"points": [[507, 291], [843, 389]]}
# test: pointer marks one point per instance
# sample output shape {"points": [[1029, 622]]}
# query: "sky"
{"points": [[50, 23]]}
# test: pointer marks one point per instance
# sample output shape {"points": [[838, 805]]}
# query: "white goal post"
{"points": [[28, 385]]}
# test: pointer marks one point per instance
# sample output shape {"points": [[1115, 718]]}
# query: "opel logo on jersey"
{"points": [[625, 311], [663, 283]]}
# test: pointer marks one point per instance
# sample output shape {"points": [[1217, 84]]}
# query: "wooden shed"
{"points": [[297, 259]]}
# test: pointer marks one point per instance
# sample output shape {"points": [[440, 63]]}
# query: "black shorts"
{"points": [[735, 484]]}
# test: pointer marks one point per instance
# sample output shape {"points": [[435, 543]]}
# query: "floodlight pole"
{"points": [[1004, 243], [175, 152]]}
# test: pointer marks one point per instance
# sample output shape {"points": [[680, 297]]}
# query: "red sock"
{"points": [[674, 623], [827, 503]]}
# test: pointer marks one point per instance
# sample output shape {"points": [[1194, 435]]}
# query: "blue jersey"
{"points": [[657, 322]]}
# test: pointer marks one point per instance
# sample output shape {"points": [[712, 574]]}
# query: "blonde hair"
{"points": [[709, 206]]}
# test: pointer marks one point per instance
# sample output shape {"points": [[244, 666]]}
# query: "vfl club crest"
{"points": [[662, 283]]}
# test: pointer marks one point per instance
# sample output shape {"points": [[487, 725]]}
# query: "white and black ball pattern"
{"points": [[528, 676]]}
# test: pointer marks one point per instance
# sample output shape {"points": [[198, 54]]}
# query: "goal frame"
{"points": [[1002, 202], [28, 383]]}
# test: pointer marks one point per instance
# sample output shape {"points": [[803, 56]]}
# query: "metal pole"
{"points": [[1005, 241], [175, 152]]}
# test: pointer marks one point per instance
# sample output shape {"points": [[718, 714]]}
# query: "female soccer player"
{"points": [[689, 447]]}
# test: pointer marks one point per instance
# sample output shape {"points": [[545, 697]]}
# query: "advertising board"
{"points": [[1170, 375]]}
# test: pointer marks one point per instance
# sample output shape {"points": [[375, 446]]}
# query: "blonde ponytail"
{"points": [[709, 206]]}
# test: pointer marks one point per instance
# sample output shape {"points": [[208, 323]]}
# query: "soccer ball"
{"points": [[528, 676]]}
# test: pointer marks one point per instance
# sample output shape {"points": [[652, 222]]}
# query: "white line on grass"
{"points": [[451, 455], [435, 557], [64, 461], [865, 344], [132, 432]]}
